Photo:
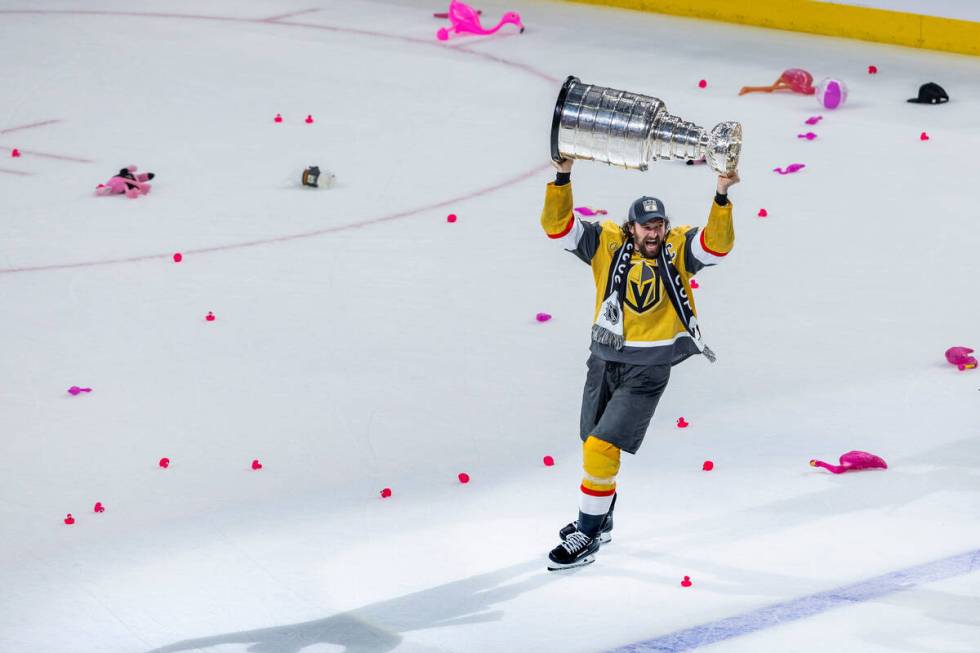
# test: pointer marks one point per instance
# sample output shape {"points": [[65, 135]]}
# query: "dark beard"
{"points": [[644, 251]]}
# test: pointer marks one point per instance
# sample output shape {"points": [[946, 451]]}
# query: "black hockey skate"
{"points": [[605, 532], [577, 550]]}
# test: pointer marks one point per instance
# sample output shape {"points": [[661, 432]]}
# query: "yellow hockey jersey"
{"points": [[652, 331]]}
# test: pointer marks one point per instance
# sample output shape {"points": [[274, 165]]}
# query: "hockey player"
{"points": [[645, 322]]}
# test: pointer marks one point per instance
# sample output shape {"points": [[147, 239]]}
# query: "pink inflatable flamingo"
{"points": [[961, 358], [796, 80], [465, 18], [852, 461]]}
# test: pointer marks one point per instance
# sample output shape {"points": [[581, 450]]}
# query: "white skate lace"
{"points": [[576, 542]]}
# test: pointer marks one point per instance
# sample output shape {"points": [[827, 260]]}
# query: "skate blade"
{"points": [[554, 566]]}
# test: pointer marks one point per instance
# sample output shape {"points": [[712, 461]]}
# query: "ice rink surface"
{"points": [[363, 342]]}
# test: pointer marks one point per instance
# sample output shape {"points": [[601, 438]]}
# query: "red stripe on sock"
{"points": [[597, 493]]}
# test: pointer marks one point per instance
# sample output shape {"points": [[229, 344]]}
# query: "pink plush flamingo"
{"points": [[465, 18], [961, 358], [795, 80], [851, 461]]}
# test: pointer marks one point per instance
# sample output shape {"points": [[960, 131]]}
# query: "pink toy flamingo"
{"points": [[465, 18], [961, 358], [589, 212], [128, 182], [851, 461], [790, 169], [796, 80]]}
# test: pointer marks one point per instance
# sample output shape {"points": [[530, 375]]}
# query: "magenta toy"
{"points": [[812, 120], [128, 182], [853, 461], [466, 19], [589, 212], [809, 136], [831, 93], [795, 80], [961, 358], [790, 169]]}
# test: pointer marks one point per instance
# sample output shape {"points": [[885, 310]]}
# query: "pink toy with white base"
{"points": [[961, 358], [465, 18], [128, 182], [852, 461]]}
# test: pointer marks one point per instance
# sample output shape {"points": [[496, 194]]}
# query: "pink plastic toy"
{"points": [[795, 80], [923, 136], [682, 423], [128, 182], [15, 153], [589, 212], [548, 461], [831, 93], [694, 284], [256, 464], [75, 390], [98, 507], [465, 18], [763, 213], [812, 120], [961, 358], [790, 169], [872, 70], [809, 136], [542, 317], [851, 461], [463, 477]]}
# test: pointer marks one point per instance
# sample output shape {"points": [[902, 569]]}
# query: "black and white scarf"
{"points": [[608, 327]]}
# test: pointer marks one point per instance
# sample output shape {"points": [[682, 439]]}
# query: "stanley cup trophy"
{"points": [[629, 130]]}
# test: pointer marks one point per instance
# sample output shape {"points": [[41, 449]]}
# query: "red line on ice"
{"points": [[309, 234], [30, 126]]}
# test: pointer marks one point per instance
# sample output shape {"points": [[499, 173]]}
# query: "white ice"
{"points": [[384, 347]]}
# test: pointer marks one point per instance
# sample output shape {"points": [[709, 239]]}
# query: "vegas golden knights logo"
{"points": [[643, 295]]}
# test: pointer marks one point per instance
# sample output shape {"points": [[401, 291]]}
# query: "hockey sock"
{"points": [[600, 461]]}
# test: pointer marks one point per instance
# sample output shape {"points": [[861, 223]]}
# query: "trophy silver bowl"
{"points": [[631, 130]]}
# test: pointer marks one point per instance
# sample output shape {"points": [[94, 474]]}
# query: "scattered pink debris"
{"points": [[872, 70], [548, 461], [695, 284], [98, 507], [464, 477], [682, 423], [75, 390], [686, 582], [278, 118], [809, 136], [385, 493], [588, 211], [763, 213], [164, 463], [542, 317], [209, 317], [708, 466], [178, 257], [451, 217], [256, 464], [851, 461], [15, 153], [923, 136], [309, 120], [791, 168], [812, 120], [69, 519], [702, 84]]}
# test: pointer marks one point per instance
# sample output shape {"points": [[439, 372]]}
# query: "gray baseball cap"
{"points": [[646, 209]]}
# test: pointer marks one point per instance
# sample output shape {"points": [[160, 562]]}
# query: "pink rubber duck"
{"points": [[961, 358], [465, 18], [851, 461]]}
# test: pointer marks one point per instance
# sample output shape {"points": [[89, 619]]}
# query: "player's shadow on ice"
{"points": [[379, 627]]}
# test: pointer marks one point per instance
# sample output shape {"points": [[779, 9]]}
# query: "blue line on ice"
{"points": [[806, 606]]}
